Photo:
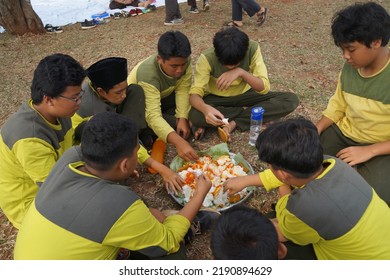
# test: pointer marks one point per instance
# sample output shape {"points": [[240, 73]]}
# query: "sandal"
{"points": [[261, 17], [232, 24], [223, 135], [195, 129]]}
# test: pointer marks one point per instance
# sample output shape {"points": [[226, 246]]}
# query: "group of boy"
{"points": [[324, 202]]}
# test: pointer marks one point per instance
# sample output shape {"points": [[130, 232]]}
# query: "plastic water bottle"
{"points": [[256, 122]]}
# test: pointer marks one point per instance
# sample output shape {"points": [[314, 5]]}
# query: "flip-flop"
{"points": [[261, 17], [232, 24], [194, 129]]}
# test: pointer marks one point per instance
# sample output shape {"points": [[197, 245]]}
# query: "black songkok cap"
{"points": [[108, 72]]}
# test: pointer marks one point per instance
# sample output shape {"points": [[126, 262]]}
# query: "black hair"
{"points": [[173, 44], [292, 145], [243, 233], [230, 45], [107, 138], [54, 74], [361, 22]]}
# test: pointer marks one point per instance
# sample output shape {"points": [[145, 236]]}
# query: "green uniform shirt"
{"points": [[29, 147], [79, 216], [208, 69], [157, 85], [338, 213], [361, 105]]}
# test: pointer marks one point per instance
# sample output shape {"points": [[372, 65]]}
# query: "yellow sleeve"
{"points": [[153, 112], [336, 106], [269, 180], [77, 119], [259, 70], [36, 157], [142, 154], [138, 229], [201, 76], [182, 94]]}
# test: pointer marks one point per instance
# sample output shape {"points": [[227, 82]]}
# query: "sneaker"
{"points": [[133, 12], [175, 21], [88, 24], [139, 12], [206, 5], [53, 29], [151, 7], [194, 10]]}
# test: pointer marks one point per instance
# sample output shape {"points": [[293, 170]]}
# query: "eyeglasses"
{"points": [[74, 99]]}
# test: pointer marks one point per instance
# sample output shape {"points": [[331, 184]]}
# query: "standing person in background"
{"points": [[166, 80], [355, 127], [194, 7], [172, 13], [251, 8], [34, 138]]}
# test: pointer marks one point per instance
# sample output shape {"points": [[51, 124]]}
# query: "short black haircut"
{"points": [[54, 74], [243, 233], [292, 145], [361, 22], [173, 44], [230, 45], [107, 138]]}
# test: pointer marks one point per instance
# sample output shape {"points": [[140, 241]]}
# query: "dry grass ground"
{"points": [[296, 45]]}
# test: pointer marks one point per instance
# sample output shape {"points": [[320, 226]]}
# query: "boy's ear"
{"points": [[48, 100], [124, 166], [101, 91], [376, 44], [159, 60], [282, 251]]}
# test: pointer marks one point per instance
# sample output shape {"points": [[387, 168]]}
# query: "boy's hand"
{"points": [[355, 154], [203, 185], [172, 181], [213, 116], [226, 79], [233, 185], [186, 152], [183, 128]]}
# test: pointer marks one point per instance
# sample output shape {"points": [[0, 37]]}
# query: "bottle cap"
{"points": [[257, 113]]}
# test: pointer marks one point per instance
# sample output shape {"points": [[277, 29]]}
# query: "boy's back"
{"points": [[76, 216]]}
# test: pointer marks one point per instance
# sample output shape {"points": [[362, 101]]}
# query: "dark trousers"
{"points": [[375, 171], [134, 107], [191, 3], [249, 6], [172, 10], [238, 108], [179, 255]]}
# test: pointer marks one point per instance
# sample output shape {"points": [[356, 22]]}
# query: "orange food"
{"points": [[158, 151]]}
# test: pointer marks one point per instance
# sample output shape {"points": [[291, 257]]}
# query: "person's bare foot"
{"points": [[198, 134]]}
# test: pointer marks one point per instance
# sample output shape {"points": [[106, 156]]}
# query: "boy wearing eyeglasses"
{"points": [[34, 137]]}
